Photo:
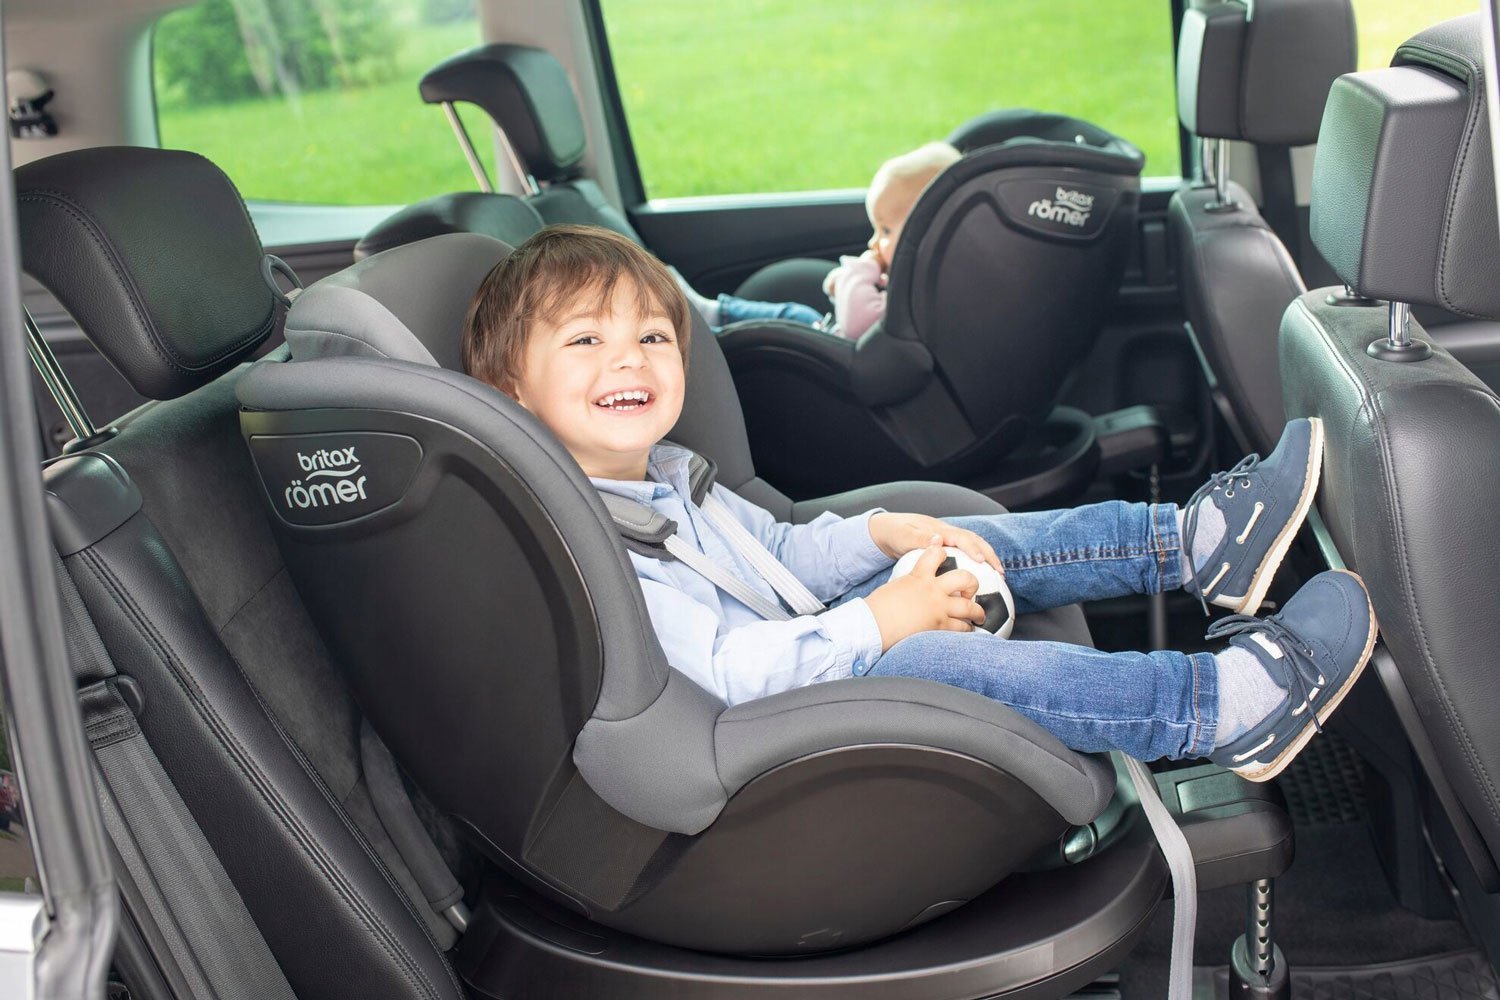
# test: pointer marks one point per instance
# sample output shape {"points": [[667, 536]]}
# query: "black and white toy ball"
{"points": [[993, 595]]}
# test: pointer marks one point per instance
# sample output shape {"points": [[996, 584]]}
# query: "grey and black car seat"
{"points": [[471, 584], [800, 279], [1007, 267], [245, 834], [1261, 80], [1403, 207]]}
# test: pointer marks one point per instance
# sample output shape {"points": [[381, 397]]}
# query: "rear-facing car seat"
{"points": [[1262, 80]]}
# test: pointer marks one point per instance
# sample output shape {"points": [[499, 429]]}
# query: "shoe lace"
{"points": [[1218, 481], [1303, 675]]}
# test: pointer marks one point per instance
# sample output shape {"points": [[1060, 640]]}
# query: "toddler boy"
{"points": [[590, 333]]}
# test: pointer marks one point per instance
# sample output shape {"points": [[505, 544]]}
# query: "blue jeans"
{"points": [[733, 309], [1146, 705]]}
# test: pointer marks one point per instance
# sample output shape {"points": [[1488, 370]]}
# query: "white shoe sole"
{"points": [[1250, 603], [1265, 771]]}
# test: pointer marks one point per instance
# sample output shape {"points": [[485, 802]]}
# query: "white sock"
{"points": [[707, 306], [1206, 538], [1247, 694]]}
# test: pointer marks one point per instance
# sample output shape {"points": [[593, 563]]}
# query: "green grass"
{"points": [[759, 95], [10, 883]]}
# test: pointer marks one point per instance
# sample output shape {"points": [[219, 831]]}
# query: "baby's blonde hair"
{"points": [[907, 174]]}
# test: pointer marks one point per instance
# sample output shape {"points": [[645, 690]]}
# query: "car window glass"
{"points": [[1384, 24], [316, 100], [785, 95]]}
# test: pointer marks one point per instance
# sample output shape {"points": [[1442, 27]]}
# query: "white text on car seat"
{"points": [[335, 471], [1071, 208]]}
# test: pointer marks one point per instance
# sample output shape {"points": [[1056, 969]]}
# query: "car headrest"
{"points": [[1403, 200], [501, 216], [996, 127], [406, 304], [527, 93], [153, 254], [1262, 75]]}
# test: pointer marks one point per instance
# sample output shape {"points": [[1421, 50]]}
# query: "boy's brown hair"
{"points": [[542, 281]]}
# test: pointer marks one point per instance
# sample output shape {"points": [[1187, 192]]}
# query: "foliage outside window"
{"points": [[1384, 24], [787, 95], [316, 100]]}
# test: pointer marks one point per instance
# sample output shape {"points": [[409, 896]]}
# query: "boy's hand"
{"points": [[898, 534], [922, 601]]}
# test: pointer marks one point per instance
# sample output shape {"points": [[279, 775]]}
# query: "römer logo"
{"points": [[332, 478], [1071, 208]]}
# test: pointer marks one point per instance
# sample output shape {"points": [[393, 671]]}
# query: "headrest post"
{"points": [[529, 186], [56, 381], [462, 134], [1398, 345], [1222, 202]]}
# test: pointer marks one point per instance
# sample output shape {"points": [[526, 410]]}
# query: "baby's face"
{"points": [[608, 386], [888, 206]]}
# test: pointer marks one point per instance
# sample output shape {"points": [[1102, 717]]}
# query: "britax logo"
{"points": [[332, 478], [1071, 208]]}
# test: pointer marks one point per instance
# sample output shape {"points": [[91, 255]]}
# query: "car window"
{"points": [[316, 100], [1384, 24], [785, 95]]}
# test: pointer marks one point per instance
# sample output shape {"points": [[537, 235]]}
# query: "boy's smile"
{"points": [[609, 386]]}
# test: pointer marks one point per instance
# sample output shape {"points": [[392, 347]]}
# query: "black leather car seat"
{"points": [[1261, 80], [206, 649], [1404, 210]]}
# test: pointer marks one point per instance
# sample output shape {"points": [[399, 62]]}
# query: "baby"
{"points": [[857, 286], [590, 333]]}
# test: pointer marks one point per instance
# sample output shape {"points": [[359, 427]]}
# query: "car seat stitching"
{"points": [[1370, 403], [159, 344], [309, 844]]}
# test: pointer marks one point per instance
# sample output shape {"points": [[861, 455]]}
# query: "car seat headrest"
{"points": [[996, 127], [501, 216], [1261, 72], [527, 93], [153, 254], [406, 304], [1403, 201]]}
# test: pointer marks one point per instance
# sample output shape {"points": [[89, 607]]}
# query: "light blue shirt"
{"points": [[715, 639]]}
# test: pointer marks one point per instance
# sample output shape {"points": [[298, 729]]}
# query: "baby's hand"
{"points": [[922, 601], [898, 534]]}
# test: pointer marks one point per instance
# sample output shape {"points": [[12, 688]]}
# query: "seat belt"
{"points": [[654, 535], [192, 906], [1179, 858]]}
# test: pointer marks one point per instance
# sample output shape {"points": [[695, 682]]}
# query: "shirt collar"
{"points": [[667, 468]]}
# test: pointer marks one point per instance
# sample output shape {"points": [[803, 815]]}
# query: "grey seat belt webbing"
{"points": [[725, 580], [210, 934], [1179, 856], [790, 589]]}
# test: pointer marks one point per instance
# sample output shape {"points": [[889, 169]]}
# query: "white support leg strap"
{"points": [[1179, 857]]}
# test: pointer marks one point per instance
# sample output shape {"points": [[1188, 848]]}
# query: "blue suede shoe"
{"points": [[1315, 648], [1263, 503]]}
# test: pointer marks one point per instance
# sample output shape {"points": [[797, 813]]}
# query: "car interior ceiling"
{"points": [[424, 748]]}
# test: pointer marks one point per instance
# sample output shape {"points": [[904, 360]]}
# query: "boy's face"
{"points": [[574, 372]]}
